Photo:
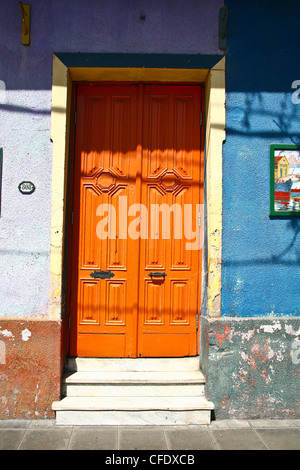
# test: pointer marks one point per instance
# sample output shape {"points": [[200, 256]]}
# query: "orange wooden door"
{"points": [[136, 199], [171, 192], [105, 175]]}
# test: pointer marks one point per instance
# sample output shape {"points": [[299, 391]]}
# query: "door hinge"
{"points": [[201, 118]]}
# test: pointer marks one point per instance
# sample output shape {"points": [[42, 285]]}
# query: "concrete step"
{"points": [[133, 384], [152, 391], [133, 365], [131, 403], [106, 390], [132, 410], [150, 377]]}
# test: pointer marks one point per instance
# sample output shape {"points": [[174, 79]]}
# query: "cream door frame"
{"points": [[214, 80]]}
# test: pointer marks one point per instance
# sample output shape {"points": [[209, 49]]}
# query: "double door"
{"points": [[136, 210]]}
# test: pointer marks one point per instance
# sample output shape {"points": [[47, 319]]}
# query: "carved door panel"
{"points": [[169, 257], [105, 309], [136, 152]]}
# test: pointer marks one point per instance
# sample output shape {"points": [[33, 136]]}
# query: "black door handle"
{"points": [[157, 274], [102, 274]]}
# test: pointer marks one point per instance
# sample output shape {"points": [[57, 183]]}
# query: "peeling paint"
{"points": [[26, 334], [252, 367], [248, 335], [265, 377], [30, 378], [223, 403], [290, 330], [7, 333], [252, 362], [37, 393], [221, 336], [244, 356], [261, 353], [271, 328]]}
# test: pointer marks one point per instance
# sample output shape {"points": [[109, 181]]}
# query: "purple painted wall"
{"points": [[170, 26], [31, 364]]}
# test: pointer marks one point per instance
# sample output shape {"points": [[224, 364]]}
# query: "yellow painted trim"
{"points": [[59, 137], [137, 74], [215, 134]]}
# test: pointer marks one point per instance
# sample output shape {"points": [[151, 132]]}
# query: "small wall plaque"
{"points": [[285, 180], [26, 187]]}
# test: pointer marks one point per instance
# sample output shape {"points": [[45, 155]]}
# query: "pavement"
{"points": [[263, 434]]}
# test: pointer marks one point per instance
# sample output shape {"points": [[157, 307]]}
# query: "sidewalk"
{"points": [[264, 434]]}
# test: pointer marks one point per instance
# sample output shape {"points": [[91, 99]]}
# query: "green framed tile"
{"points": [[284, 180]]}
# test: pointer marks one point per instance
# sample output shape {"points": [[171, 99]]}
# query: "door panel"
{"points": [[136, 146], [105, 169], [170, 181]]}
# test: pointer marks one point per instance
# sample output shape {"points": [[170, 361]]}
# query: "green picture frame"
{"points": [[285, 180]]}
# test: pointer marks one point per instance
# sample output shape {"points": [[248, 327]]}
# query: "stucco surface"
{"points": [[159, 26], [252, 367], [169, 26], [30, 368], [25, 219], [261, 255]]}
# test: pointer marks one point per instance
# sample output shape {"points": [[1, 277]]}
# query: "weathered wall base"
{"points": [[252, 366], [30, 367]]}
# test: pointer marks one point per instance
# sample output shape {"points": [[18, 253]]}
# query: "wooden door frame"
{"points": [[64, 75], [73, 240]]}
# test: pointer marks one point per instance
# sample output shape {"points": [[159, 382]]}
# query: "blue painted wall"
{"points": [[261, 255]]}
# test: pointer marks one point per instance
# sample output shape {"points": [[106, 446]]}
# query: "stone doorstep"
{"points": [[134, 365], [133, 418], [133, 390], [133, 410], [139, 377], [133, 384], [133, 403], [158, 388]]}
